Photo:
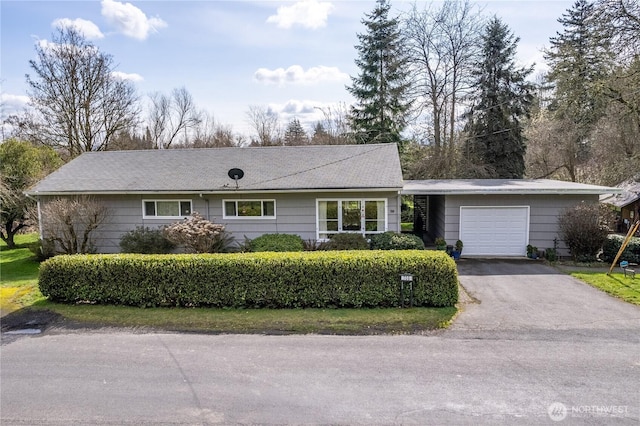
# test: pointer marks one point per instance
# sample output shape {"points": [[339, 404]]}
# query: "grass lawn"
{"points": [[18, 275], [407, 226], [616, 284], [19, 292]]}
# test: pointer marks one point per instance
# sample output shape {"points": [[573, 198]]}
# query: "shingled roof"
{"points": [[629, 193], [290, 168]]}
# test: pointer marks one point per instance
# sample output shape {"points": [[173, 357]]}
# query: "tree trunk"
{"points": [[9, 233]]}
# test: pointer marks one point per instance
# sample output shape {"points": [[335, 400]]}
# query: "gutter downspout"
{"points": [[399, 211], [206, 200]]}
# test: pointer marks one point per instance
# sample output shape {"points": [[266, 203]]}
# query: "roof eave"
{"points": [[214, 192], [509, 192]]}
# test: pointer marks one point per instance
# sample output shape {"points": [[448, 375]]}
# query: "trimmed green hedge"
{"points": [[337, 279], [613, 243], [277, 242]]}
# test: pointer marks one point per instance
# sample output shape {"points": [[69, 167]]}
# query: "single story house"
{"points": [[312, 191], [626, 202]]}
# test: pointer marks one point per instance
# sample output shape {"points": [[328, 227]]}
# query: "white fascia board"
{"points": [[510, 192], [424, 189], [209, 192]]}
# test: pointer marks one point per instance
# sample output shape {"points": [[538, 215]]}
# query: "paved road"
{"points": [[536, 339]]}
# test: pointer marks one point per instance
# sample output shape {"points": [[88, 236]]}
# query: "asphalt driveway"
{"points": [[530, 346], [522, 295]]}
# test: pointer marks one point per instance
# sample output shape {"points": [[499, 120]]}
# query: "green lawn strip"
{"points": [[19, 289], [18, 275], [616, 284], [17, 266], [269, 321]]}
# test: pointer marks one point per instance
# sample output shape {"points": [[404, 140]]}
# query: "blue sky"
{"points": [[294, 57]]}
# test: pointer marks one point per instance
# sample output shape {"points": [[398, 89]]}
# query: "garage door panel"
{"points": [[494, 231]]}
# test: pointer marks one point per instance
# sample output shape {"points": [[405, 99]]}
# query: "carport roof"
{"points": [[629, 194], [501, 186]]}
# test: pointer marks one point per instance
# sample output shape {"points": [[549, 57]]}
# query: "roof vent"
{"points": [[236, 174]]}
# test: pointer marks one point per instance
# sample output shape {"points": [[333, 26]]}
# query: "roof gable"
{"points": [[317, 167]]}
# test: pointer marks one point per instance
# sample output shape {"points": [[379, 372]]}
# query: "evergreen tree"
{"points": [[579, 60], [295, 134], [380, 89], [503, 98], [320, 135]]}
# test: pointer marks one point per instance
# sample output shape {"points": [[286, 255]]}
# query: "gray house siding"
{"points": [[543, 219], [295, 214]]}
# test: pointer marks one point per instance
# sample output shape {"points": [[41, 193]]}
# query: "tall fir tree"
{"points": [[503, 98], [579, 59], [295, 134], [380, 89]]}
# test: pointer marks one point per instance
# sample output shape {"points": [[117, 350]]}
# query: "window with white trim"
{"points": [[361, 216], [166, 209], [249, 209]]}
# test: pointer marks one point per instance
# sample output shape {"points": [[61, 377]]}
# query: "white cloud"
{"points": [[311, 14], [127, 76], [130, 20], [295, 74], [86, 28], [45, 44], [307, 111], [13, 104]]}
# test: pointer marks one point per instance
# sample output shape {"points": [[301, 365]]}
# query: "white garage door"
{"points": [[494, 231]]}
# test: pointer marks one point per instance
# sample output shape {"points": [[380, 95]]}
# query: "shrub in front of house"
{"points": [[320, 279], [277, 242], [393, 241], [145, 240], [584, 231], [346, 242], [612, 245], [196, 234]]}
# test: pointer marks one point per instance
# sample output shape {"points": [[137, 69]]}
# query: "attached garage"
{"points": [[494, 230], [496, 217]]}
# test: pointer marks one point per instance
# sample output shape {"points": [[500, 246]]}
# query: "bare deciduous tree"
{"points": [[80, 103], [550, 152], [620, 19], [266, 125], [172, 116], [442, 46], [211, 134], [334, 129], [616, 157], [70, 223]]}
